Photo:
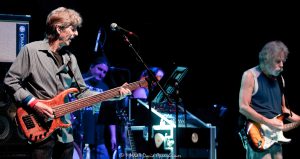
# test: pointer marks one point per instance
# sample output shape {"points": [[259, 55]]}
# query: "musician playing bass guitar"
{"points": [[40, 79], [262, 102]]}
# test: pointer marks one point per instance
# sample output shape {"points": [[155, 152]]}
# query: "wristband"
{"points": [[32, 102]]}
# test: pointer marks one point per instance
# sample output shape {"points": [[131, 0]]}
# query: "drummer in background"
{"points": [[93, 131]]}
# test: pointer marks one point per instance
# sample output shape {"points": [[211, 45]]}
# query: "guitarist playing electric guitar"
{"points": [[40, 79], [262, 101]]}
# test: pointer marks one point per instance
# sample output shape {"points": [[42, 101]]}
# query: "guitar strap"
{"points": [[242, 132], [72, 74], [283, 90]]}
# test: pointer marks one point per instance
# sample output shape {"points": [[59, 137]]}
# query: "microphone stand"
{"points": [[151, 80], [100, 45], [177, 99]]}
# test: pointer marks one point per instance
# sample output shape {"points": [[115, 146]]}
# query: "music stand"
{"points": [[170, 84]]}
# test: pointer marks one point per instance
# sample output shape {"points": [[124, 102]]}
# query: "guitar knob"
{"points": [[259, 144]]}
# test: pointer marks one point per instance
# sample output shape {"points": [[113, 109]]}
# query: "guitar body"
{"points": [[261, 137], [34, 127]]}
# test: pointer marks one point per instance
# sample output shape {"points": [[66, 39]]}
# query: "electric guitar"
{"points": [[130, 147], [36, 129], [262, 137], [134, 154]]}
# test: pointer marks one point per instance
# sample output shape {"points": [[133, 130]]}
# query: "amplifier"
{"points": [[197, 143]]}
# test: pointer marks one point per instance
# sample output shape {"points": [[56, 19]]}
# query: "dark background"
{"points": [[217, 42]]}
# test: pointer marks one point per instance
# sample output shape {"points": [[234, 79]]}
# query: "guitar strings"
{"points": [[77, 104]]}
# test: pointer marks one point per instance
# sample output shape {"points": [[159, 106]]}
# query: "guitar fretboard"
{"points": [[87, 101]]}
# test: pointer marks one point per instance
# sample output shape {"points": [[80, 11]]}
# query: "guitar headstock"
{"points": [[143, 83]]}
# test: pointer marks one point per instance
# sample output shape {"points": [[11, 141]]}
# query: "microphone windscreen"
{"points": [[113, 26]]}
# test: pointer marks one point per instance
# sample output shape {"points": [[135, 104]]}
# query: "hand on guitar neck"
{"points": [[290, 126]]}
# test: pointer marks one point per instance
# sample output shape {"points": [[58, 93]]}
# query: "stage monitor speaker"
{"points": [[12, 143], [14, 31], [145, 146]]}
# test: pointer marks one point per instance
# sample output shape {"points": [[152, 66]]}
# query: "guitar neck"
{"points": [[131, 141], [70, 107], [290, 126]]}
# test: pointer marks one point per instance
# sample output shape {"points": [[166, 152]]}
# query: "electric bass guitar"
{"points": [[36, 129], [262, 137]]}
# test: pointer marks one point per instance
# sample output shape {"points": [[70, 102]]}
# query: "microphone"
{"points": [[115, 27]]}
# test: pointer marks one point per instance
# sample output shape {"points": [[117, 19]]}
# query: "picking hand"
{"points": [[44, 110]]}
